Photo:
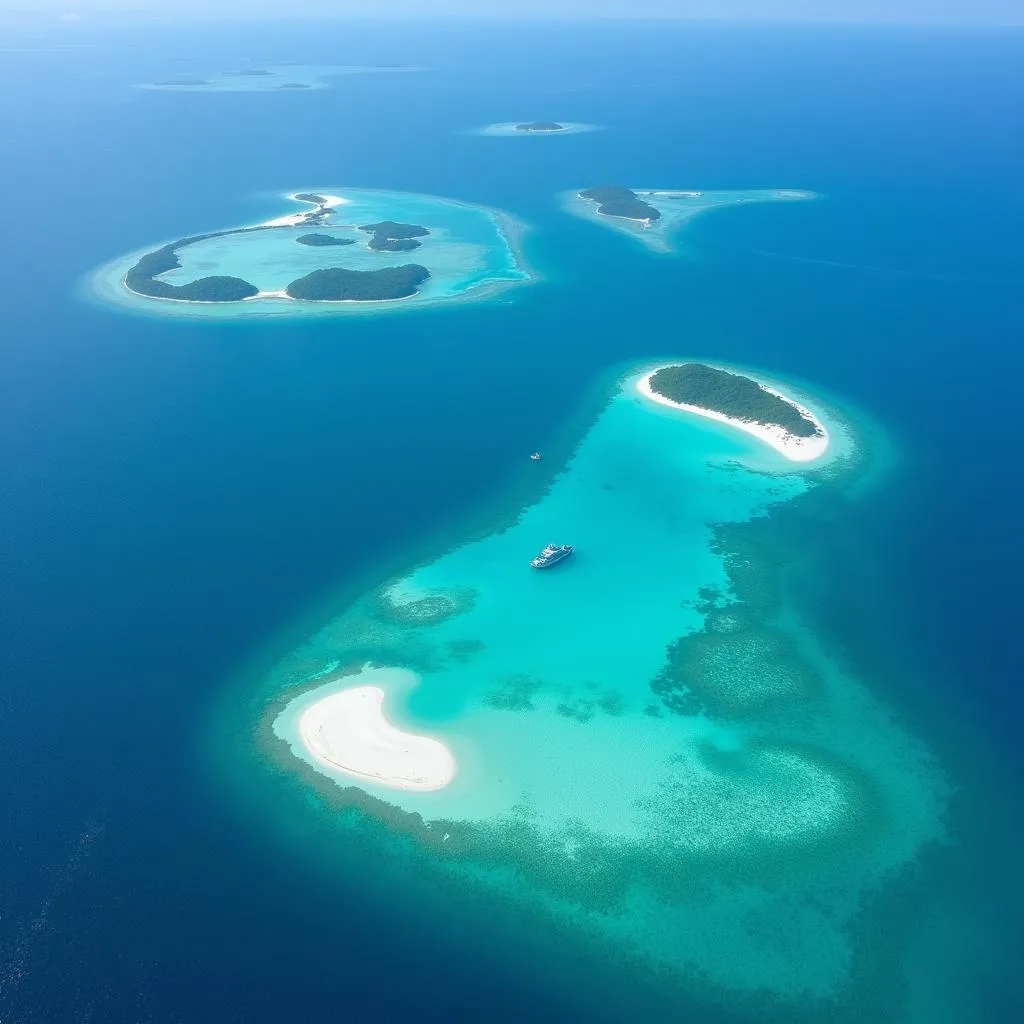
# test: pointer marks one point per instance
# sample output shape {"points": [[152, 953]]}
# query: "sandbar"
{"points": [[792, 447], [347, 731], [293, 220]]}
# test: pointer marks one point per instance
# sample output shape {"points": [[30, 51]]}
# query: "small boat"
{"points": [[552, 555], [535, 456]]}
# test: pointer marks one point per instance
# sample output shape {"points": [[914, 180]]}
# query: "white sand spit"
{"points": [[348, 732], [294, 220], [794, 448]]}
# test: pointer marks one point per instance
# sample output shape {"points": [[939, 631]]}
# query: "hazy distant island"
{"points": [[249, 73], [336, 284], [295, 85], [618, 201], [540, 126], [390, 236], [184, 80], [324, 240], [141, 278], [525, 129]]}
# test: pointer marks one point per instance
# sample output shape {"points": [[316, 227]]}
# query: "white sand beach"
{"points": [[347, 731], [792, 447], [294, 220]]}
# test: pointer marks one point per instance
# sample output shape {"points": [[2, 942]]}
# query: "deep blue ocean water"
{"points": [[176, 495]]}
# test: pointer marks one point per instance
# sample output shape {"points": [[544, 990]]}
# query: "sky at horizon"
{"points": [[913, 11]]}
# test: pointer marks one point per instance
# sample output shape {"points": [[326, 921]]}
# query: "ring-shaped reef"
{"points": [[656, 216], [655, 758], [267, 78], [344, 251]]}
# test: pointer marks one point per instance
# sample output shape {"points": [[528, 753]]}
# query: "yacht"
{"points": [[535, 456], [552, 555]]}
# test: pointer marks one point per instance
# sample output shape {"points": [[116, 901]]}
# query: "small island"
{"points": [[344, 732], [249, 73], [390, 236], [618, 201], [534, 129], [141, 278], [324, 240], [540, 126], [742, 402], [184, 82], [336, 284]]}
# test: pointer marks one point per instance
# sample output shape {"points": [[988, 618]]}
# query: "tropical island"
{"points": [[790, 428], [526, 129], [249, 73], [540, 126], [183, 82], [336, 284], [618, 201], [655, 216], [141, 278], [390, 236], [316, 239], [308, 262]]}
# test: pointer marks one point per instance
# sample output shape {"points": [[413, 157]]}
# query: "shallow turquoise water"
{"points": [[585, 791], [470, 251], [677, 206]]}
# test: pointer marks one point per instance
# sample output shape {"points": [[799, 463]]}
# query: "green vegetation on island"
{"points": [[390, 236], [336, 284], [324, 240], [310, 197], [730, 394], [141, 279], [617, 201], [540, 126]]}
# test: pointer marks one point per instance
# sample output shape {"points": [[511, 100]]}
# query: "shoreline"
{"points": [[660, 235], [294, 220], [348, 732], [790, 446], [509, 229]]}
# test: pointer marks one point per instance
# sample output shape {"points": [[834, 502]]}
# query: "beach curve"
{"points": [[790, 446], [348, 732]]}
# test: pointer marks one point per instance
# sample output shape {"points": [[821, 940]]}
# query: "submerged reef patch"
{"points": [[657, 757], [427, 609], [733, 669]]}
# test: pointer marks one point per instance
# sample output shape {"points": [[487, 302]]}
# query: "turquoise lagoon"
{"points": [[471, 252], [677, 206], [267, 78], [720, 811]]}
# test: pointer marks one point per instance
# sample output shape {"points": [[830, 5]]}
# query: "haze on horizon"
{"points": [[1003, 12]]}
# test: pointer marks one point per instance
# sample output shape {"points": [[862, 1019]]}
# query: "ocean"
{"points": [[186, 501]]}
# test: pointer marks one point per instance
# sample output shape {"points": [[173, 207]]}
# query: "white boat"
{"points": [[552, 555]]}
